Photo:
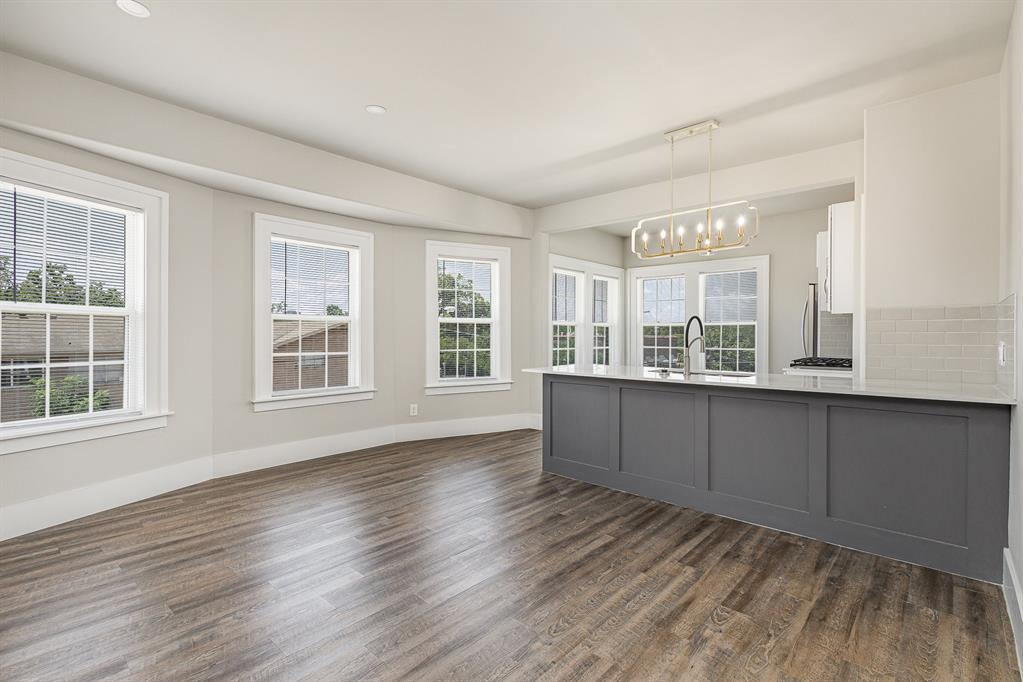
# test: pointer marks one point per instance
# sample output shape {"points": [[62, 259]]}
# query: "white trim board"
{"points": [[51, 510], [1011, 590]]}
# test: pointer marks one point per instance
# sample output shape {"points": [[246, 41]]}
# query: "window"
{"points": [[664, 318], [310, 308], [81, 313], [563, 318], [729, 294], [313, 314], [468, 338], [730, 315], [601, 321], [464, 299], [584, 313]]}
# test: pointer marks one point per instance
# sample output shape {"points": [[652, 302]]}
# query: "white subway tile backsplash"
{"points": [[962, 312], [980, 325], [943, 344], [928, 363], [911, 374], [929, 338], [928, 313], [911, 325], [944, 325], [896, 313], [978, 351], [896, 337], [963, 338], [910, 350]]}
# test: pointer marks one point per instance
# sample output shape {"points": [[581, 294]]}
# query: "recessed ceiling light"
{"points": [[376, 109], [134, 8]]}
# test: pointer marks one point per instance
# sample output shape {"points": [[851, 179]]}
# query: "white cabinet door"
{"points": [[823, 274], [840, 284]]}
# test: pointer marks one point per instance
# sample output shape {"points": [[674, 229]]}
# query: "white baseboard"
{"points": [[241, 461], [1011, 590], [463, 427], [43, 512]]}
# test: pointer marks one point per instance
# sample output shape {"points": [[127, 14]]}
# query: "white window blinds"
{"points": [[65, 312], [310, 307]]}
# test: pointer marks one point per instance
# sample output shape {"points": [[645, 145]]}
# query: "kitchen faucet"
{"points": [[686, 352]]}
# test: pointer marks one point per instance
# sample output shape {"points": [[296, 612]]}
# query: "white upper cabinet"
{"points": [[835, 262]]}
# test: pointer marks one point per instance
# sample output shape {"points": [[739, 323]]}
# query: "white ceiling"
{"points": [[532, 103]]}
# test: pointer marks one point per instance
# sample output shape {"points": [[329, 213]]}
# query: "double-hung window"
{"points": [[730, 315], [81, 308], [313, 314], [584, 313], [664, 318], [731, 297], [467, 330], [564, 317], [602, 320]]}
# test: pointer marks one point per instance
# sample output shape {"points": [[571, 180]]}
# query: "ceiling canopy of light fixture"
{"points": [[703, 230]]}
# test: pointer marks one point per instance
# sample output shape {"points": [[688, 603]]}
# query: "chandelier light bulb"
{"points": [[663, 234], [646, 237], [720, 224], [741, 221], [699, 228], [681, 231]]}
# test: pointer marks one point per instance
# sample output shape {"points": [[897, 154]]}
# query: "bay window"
{"points": [[584, 313], [313, 313]]}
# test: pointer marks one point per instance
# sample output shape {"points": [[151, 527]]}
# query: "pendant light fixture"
{"points": [[704, 230]]}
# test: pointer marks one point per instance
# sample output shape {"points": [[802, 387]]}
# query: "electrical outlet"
{"points": [[413, 410], [1001, 353]]}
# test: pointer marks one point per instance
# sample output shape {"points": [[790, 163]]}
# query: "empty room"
{"points": [[510, 340]]}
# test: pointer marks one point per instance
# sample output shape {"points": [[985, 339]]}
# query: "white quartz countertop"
{"points": [[885, 388]]}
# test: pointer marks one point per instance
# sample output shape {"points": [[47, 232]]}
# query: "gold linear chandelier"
{"points": [[704, 230]]}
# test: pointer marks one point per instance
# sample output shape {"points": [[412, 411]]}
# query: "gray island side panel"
{"points": [[922, 481]]}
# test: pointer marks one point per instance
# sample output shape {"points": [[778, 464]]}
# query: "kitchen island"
{"points": [[909, 470]]}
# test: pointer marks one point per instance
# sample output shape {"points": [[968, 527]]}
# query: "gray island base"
{"points": [[916, 479]]}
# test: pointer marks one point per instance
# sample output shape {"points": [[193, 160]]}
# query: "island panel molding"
{"points": [[918, 480]]}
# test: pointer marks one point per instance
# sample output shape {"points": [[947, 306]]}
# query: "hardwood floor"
{"points": [[459, 559]]}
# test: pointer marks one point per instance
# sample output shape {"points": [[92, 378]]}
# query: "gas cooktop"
{"points": [[823, 363]]}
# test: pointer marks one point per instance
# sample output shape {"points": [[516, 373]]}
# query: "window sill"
{"points": [[22, 438], [485, 386], [287, 402]]}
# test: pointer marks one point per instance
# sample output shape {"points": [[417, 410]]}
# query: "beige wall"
{"points": [[399, 334], [37, 473], [1012, 195], [933, 195], [590, 244], [210, 354], [790, 239]]}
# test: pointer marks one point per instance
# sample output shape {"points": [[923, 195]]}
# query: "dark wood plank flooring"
{"points": [[459, 559]]}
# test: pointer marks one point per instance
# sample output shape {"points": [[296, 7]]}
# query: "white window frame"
{"points": [[146, 289], [360, 268], [585, 271], [500, 312], [691, 271]]}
